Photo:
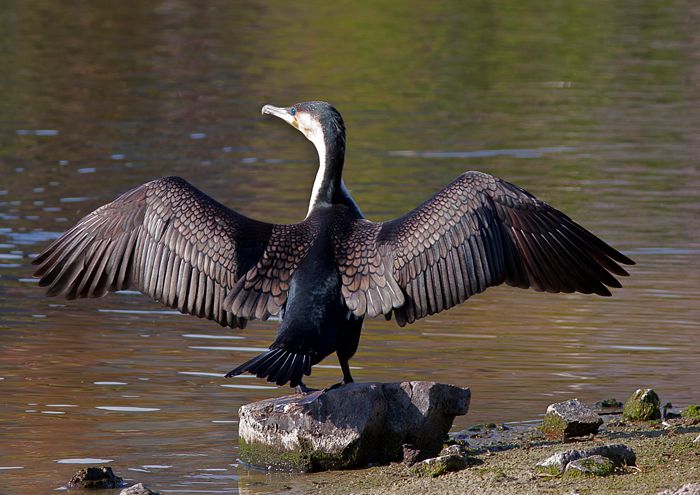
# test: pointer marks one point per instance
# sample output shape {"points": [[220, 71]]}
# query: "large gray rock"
{"points": [[571, 418], [351, 426]]}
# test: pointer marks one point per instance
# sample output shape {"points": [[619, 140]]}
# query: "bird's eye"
{"points": [[293, 111]]}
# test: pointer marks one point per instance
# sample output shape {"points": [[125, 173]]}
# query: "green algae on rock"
{"points": [[643, 405], [439, 465], [595, 465], [304, 459], [691, 412]]}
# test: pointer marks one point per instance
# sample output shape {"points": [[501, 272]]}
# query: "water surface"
{"points": [[591, 106]]}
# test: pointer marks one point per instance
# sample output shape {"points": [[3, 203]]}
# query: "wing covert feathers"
{"points": [[262, 291], [478, 232]]}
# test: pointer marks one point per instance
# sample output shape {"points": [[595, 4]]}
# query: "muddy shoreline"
{"points": [[502, 461]]}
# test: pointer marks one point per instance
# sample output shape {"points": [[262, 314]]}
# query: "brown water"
{"points": [[591, 106]]}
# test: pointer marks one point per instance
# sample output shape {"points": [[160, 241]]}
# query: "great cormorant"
{"points": [[323, 275]]}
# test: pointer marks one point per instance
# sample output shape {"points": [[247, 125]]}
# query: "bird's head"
{"points": [[319, 121]]}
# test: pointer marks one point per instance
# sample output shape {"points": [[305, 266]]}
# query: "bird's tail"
{"points": [[278, 366]]}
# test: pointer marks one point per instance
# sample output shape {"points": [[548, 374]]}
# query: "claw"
{"points": [[303, 389]]}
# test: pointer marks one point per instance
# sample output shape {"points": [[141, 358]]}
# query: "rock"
{"points": [[691, 412], [643, 405], [138, 489], [556, 464], [95, 478], [411, 454], [620, 455], [594, 465], [571, 418], [608, 406], [351, 426], [689, 489], [439, 465], [697, 439], [666, 412], [455, 449]]}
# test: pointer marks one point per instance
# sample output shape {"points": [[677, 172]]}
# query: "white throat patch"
{"points": [[312, 129]]}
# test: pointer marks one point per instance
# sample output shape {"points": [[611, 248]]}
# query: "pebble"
{"points": [[138, 489]]}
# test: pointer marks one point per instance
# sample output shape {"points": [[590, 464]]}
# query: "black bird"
{"points": [[323, 275]]}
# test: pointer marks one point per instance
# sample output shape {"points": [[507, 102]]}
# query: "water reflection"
{"points": [[602, 123]]}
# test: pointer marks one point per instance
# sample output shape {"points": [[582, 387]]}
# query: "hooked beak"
{"points": [[282, 113]]}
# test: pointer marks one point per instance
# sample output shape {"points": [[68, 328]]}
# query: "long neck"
{"points": [[328, 185]]}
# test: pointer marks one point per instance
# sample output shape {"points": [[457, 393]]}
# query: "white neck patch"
{"points": [[312, 129]]}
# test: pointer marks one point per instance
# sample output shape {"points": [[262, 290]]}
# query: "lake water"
{"points": [[592, 106]]}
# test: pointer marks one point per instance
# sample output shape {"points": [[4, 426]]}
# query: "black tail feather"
{"points": [[278, 366]]}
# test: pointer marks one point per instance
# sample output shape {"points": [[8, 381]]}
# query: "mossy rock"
{"points": [[553, 426], [691, 412], [549, 469], [569, 419], [432, 468], [595, 465], [643, 405]]}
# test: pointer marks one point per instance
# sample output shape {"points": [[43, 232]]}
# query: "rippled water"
{"points": [[592, 107]]}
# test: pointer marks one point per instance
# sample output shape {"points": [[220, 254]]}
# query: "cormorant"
{"points": [[323, 275]]}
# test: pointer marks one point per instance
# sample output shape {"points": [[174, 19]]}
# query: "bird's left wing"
{"points": [[170, 241], [478, 232]]}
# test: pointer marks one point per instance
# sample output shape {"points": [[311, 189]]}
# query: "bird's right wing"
{"points": [[478, 232], [175, 244]]}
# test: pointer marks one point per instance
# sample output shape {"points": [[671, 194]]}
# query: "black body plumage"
{"points": [[326, 273]]}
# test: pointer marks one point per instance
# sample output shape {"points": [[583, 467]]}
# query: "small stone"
{"points": [[439, 465], [697, 439], [95, 478], [643, 405], [666, 412], [351, 426], [138, 489], [619, 454], [411, 454], [456, 449], [571, 418], [556, 464], [608, 406], [691, 412], [594, 465], [689, 489]]}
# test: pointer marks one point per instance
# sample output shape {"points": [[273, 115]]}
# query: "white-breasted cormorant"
{"points": [[323, 275]]}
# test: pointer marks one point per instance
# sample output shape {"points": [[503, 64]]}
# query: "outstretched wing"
{"points": [[165, 238], [478, 232]]}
